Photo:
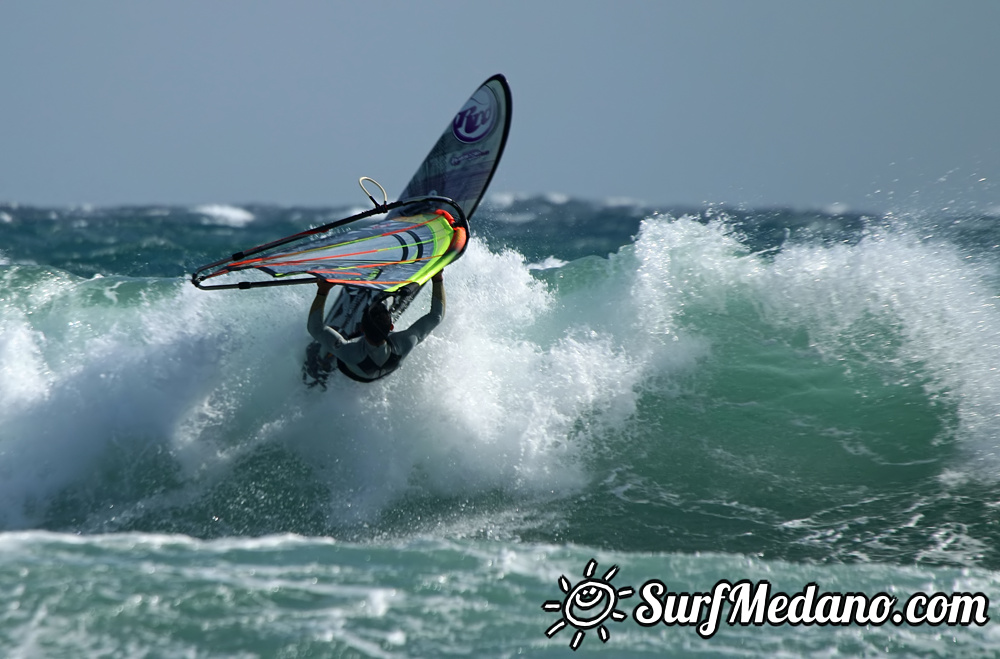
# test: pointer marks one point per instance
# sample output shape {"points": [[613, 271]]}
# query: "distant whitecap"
{"points": [[501, 199], [515, 218], [229, 216], [619, 202]]}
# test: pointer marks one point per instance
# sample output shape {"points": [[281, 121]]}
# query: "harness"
{"points": [[371, 370]]}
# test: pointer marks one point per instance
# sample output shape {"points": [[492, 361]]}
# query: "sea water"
{"points": [[690, 396]]}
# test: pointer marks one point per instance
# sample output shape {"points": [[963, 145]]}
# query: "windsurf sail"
{"points": [[418, 235], [421, 237]]}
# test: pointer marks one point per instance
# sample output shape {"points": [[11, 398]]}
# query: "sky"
{"points": [[854, 104]]}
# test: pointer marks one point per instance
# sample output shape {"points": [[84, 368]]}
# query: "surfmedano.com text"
{"points": [[756, 604]]}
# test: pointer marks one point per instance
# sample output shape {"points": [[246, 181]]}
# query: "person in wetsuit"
{"points": [[379, 350]]}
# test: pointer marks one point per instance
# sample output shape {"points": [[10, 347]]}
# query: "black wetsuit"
{"points": [[366, 362]]}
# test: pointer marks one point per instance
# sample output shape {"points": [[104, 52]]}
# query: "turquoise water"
{"points": [[692, 395]]}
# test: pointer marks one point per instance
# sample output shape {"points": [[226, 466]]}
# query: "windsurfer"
{"points": [[379, 350]]}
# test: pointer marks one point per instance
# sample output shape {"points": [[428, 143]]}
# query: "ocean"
{"points": [[623, 401]]}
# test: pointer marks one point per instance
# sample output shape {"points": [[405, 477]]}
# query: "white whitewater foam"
{"points": [[548, 263], [941, 304], [937, 305], [509, 394]]}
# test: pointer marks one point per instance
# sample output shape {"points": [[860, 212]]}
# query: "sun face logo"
{"points": [[588, 604]]}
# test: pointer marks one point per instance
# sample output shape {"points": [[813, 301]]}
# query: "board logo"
{"points": [[588, 604], [476, 118], [457, 160]]}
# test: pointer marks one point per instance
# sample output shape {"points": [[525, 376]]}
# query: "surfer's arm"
{"points": [[327, 337], [315, 322], [407, 339]]}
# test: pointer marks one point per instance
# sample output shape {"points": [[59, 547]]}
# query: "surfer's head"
{"points": [[376, 323]]}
